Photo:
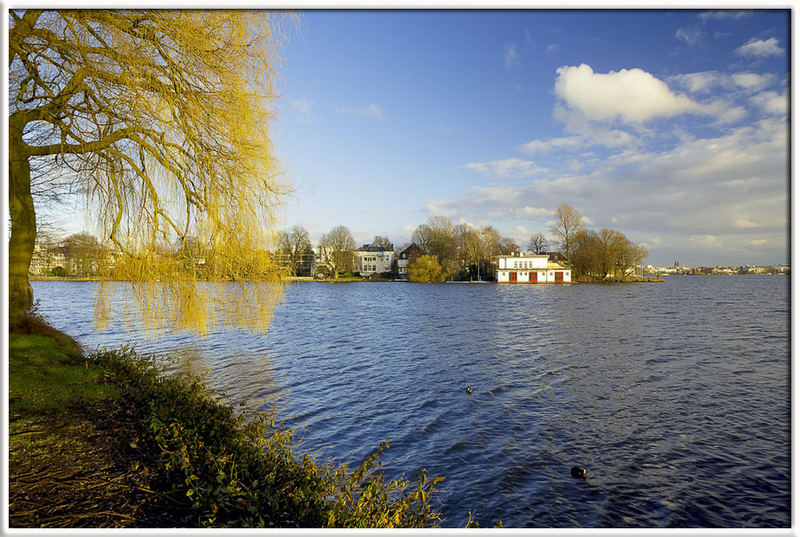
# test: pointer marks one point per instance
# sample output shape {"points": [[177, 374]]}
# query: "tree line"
{"points": [[456, 251], [449, 251], [79, 254], [601, 255], [446, 251], [463, 252]]}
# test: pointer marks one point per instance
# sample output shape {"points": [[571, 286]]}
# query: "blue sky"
{"points": [[671, 126]]}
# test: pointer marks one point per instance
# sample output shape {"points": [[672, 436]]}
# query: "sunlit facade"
{"points": [[372, 259], [531, 268]]}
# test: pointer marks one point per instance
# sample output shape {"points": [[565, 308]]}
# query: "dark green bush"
{"points": [[219, 468]]}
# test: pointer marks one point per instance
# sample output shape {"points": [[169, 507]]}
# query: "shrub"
{"points": [[218, 468], [426, 269]]}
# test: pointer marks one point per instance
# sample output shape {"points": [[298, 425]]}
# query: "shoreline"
{"points": [[305, 279], [109, 440]]}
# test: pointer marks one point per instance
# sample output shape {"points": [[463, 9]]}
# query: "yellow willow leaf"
{"points": [[164, 121]]}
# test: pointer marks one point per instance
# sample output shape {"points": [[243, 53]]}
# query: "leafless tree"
{"points": [[336, 248], [294, 244], [568, 224], [382, 242], [538, 243]]}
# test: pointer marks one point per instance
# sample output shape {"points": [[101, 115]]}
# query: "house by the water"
{"points": [[374, 258], [531, 268], [404, 257]]}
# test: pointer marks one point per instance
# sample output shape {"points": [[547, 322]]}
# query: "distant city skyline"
{"points": [[668, 125]]}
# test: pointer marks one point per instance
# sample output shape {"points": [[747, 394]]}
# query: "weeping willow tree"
{"points": [[160, 119]]}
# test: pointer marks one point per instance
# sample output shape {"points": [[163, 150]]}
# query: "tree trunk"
{"points": [[23, 227]]}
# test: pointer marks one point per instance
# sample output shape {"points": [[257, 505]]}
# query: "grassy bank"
{"points": [[109, 440]]}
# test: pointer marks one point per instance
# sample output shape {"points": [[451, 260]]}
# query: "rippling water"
{"points": [[674, 396]]}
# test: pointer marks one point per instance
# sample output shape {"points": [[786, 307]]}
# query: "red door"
{"points": [[512, 276], [559, 276], [532, 276]]}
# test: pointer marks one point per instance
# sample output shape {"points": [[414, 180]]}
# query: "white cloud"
{"points": [[742, 154], [536, 146], [705, 81], [724, 14], [697, 82], [550, 48], [752, 81], [521, 230], [690, 35], [436, 209], [592, 136], [472, 224], [575, 165], [698, 193], [631, 95], [760, 48], [372, 110], [715, 190], [611, 138], [705, 240], [728, 114], [745, 224], [511, 55], [772, 102], [536, 211], [510, 167]]}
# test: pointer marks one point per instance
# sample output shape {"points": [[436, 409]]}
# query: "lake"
{"points": [[675, 396]]}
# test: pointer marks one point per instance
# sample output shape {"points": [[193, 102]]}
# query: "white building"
{"points": [[530, 268], [372, 259], [322, 259], [46, 257]]}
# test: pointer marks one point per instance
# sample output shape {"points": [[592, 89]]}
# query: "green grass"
{"points": [[47, 376]]}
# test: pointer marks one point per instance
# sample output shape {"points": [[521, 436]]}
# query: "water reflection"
{"points": [[251, 373]]}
